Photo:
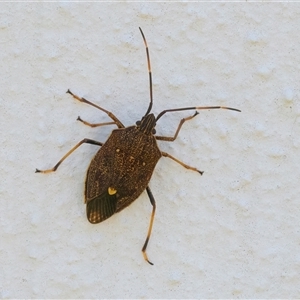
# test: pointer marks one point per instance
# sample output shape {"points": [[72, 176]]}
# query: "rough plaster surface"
{"points": [[234, 232]]}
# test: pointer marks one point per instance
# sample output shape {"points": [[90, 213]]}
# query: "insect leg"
{"points": [[111, 115], [87, 141], [150, 226], [95, 125], [165, 154], [172, 138]]}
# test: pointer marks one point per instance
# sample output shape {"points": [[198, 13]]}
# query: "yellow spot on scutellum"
{"points": [[111, 191]]}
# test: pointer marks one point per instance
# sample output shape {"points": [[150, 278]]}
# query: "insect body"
{"points": [[122, 168]]}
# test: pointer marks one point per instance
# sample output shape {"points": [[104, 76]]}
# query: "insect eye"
{"points": [[153, 131], [138, 123]]}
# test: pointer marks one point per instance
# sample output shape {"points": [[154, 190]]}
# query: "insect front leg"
{"points": [[110, 114], [173, 138], [95, 125], [165, 154], [87, 141], [152, 200]]}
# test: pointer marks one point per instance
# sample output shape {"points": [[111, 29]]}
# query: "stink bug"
{"points": [[122, 168]]}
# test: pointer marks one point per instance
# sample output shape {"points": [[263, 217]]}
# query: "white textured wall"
{"points": [[234, 232]]}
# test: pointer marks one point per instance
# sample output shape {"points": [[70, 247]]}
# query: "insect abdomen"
{"points": [[125, 163]]}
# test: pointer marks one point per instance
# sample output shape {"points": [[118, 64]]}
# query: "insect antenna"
{"points": [[150, 74], [195, 107]]}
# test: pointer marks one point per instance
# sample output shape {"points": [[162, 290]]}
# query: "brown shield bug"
{"points": [[122, 168]]}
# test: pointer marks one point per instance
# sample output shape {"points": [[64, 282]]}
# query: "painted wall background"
{"points": [[234, 232]]}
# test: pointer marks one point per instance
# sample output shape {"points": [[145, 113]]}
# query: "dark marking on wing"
{"points": [[101, 207]]}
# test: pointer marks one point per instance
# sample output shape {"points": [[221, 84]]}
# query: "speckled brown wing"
{"points": [[125, 163]]}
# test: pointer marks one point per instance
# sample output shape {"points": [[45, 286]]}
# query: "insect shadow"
{"points": [[122, 168]]}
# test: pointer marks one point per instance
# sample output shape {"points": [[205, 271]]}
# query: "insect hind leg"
{"points": [[152, 200]]}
